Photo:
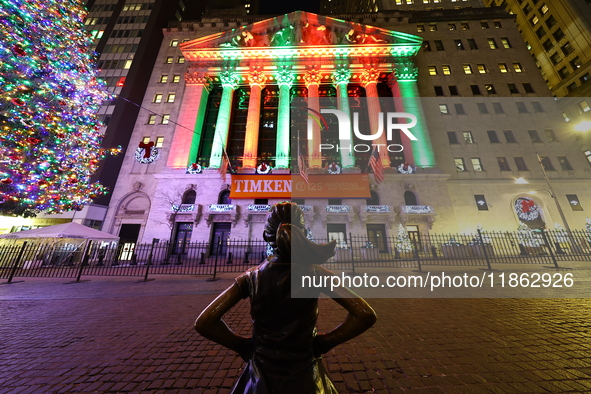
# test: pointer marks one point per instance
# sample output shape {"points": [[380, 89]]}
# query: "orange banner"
{"points": [[293, 186]]}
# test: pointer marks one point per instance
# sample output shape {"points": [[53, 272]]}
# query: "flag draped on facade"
{"points": [[376, 166], [303, 168]]}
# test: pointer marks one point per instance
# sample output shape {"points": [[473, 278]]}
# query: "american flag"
{"points": [[376, 166], [303, 168], [224, 167]]}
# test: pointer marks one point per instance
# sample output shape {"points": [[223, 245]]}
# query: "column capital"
{"points": [[257, 77], [342, 75], [229, 78], [285, 77], [312, 77], [369, 75], [406, 71]]}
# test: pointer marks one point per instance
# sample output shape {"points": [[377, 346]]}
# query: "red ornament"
{"points": [[43, 57], [62, 102], [6, 181], [17, 101], [147, 148], [527, 205], [33, 141], [18, 50], [60, 135]]}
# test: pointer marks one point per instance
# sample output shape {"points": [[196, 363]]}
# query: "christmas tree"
{"points": [[402, 240], [526, 236], [49, 130]]}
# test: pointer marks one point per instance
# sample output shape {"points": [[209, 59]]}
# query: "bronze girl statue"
{"points": [[284, 354]]}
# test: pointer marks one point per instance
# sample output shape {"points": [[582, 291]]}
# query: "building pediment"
{"points": [[299, 34]]}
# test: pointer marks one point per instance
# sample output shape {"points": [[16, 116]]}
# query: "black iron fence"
{"points": [[37, 259]]}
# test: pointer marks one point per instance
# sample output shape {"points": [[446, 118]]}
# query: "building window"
{"points": [[517, 67], [492, 137], [492, 43], [152, 119], [534, 20], [459, 109], [498, 108], [432, 70], [545, 160], [420, 28], [176, 78], [555, 58], [157, 98], [509, 137], [484, 25], [537, 106], [503, 164], [146, 140], [169, 60], [563, 72], [438, 90], [459, 45], [446, 69], [174, 43], [567, 49], [550, 135], [571, 87], [475, 89], [527, 9], [521, 108], [541, 32], [127, 64], [534, 136], [558, 34], [476, 164], [574, 202], [468, 138], [180, 60], [439, 45], [189, 197], [586, 77], [576, 63], [547, 45], [426, 46], [482, 108], [505, 42], [453, 90], [432, 27], [503, 68], [528, 88], [584, 106], [520, 164], [490, 88], [159, 142], [550, 22], [170, 98], [481, 68], [163, 78], [452, 137], [565, 116], [467, 69], [512, 88], [481, 202], [465, 26], [460, 165], [443, 109], [564, 163], [165, 119], [472, 44], [543, 9], [451, 26]]}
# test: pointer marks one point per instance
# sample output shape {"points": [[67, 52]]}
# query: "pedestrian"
{"points": [[284, 354]]}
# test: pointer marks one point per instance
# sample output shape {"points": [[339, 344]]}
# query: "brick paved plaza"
{"points": [[113, 335]]}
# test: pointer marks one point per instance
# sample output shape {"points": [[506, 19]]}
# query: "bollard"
{"points": [[150, 256]]}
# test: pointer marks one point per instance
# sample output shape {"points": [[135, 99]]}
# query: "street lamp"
{"points": [[552, 194]]}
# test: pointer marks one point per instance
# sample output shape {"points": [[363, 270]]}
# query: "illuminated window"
{"points": [[446, 69], [492, 43], [565, 116], [432, 70], [584, 106], [517, 67], [543, 9], [505, 42], [432, 27], [420, 28], [169, 60], [152, 119], [452, 26], [477, 164], [165, 119], [467, 69], [180, 60], [170, 98], [490, 88], [159, 142], [443, 109], [534, 20], [176, 78], [163, 78], [497, 24], [157, 98], [127, 64], [174, 43], [484, 25], [468, 138], [503, 68], [481, 68], [459, 45], [460, 165], [465, 26]]}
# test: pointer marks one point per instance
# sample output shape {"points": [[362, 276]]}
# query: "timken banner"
{"points": [[293, 186]]}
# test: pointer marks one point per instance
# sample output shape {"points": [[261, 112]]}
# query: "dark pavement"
{"points": [[113, 335]]}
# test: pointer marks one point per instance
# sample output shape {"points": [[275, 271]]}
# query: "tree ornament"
{"points": [[334, 169], [406, 168], [527, 209], [195, 168], [146, 153], [264, 169]]}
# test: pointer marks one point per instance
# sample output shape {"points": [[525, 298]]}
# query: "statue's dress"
{"points": [[283, 331]]}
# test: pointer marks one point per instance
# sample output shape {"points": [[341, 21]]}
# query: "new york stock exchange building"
{"points": [[237, 108]]}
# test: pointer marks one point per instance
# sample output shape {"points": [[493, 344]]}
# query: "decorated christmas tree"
{"points": [[526, 236], [49, 130], [402, 240]]}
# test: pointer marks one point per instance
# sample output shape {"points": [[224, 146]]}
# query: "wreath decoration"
{"points": [[146, 153], [334, 169], [527, 209], [194, 168], [264, 169], [406, 168]]}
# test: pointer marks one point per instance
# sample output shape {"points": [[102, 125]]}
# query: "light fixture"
{"points": [[583, 126], [521, 181]]}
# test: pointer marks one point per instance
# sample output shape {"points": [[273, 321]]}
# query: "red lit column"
{"points": [[256, 79], [369, 80]]}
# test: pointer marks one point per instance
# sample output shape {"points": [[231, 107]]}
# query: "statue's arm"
{"points": [[211, 326], [360, 318]]}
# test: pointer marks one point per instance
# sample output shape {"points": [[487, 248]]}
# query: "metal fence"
{"points": [[36, 259]]}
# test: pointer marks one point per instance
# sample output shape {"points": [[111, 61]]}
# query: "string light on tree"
{"points": [[50, 140]]}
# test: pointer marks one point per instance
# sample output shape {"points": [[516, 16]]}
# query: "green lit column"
{"points": [[312, 78], [340, 78], [285, 80], [229, 81], [422, 149], [185, 142], [399, 107]]}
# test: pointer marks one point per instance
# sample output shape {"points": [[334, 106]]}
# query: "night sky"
{"points": [[278, 7]]}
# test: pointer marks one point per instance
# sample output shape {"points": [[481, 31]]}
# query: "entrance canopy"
{"points": [[64, 230]]}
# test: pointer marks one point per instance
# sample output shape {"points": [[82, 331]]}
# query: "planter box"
{"points": [[479, 250], [456, 251], [370, 254]]}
